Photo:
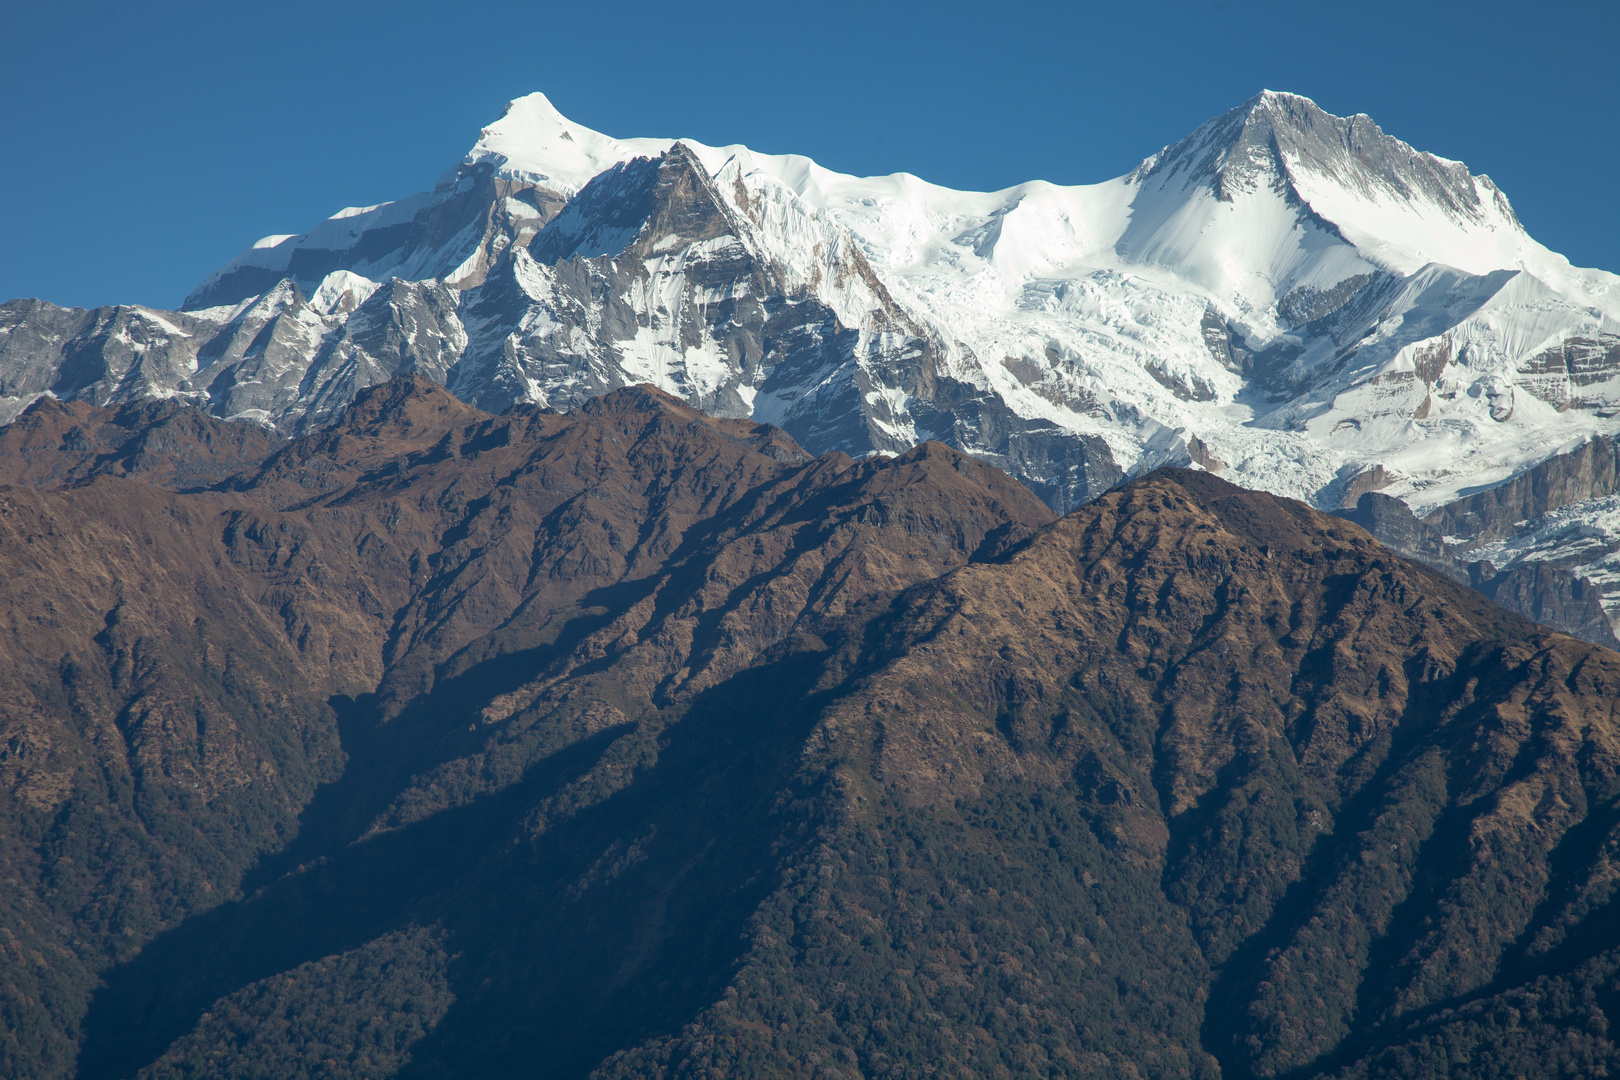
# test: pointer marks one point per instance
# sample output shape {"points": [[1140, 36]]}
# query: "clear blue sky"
{"points": [[144, 144]]}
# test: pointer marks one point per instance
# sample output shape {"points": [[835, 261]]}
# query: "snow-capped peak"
{"points": [[1399, 207], [535, 143]]}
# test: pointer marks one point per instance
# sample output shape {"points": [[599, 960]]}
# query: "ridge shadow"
{"points": [[643, 895]]}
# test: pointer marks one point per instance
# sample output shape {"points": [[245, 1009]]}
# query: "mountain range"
{"points": [[1295, 300], [643, 609]]}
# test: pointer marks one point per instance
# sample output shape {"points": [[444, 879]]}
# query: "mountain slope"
{"points": [[1195, 783], [638, 743], [1192, 782]]}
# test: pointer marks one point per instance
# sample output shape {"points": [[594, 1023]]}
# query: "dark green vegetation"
{"points": [[636, 744]]}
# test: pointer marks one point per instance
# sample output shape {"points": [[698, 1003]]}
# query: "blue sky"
{"points": [[144, 144]]}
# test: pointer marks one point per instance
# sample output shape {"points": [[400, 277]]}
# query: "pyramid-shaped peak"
{"points": [[1270, 124], [1289, 144], [1280, 98], [534, 142], [535, 118], [1284, 99], [1295, 117], [534, 105]]}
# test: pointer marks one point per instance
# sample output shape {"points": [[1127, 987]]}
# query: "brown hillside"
{"points": [[172, 655], [1358, 785], [635, 743]]}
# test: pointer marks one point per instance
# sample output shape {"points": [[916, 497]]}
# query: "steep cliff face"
{"points": [[1542, 544], [1400, 530], [1590, 471], [1551, 595], [1552, 534], [453, 234]]}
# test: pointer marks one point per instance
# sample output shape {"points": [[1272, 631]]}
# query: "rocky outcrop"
{"points": [[1396, 527], [1545, 540], [1550, 595], [454, 234], [1589, 471]]}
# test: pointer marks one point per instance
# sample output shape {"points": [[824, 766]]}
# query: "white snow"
{"points": [[340, 292], [355, 211], [533, 142], [153, 317]]}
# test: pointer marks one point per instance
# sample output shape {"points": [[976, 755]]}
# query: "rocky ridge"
{"points": [[1540, 544]]}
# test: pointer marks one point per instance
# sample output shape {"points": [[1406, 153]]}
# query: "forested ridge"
{"points": [[635, 743]]}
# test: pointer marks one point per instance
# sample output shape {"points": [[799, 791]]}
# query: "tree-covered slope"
{"points": [[186, 667], [681, 754]]}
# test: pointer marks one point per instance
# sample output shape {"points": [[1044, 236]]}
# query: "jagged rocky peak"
{"points": [[1276, 139], [646, 206], [453, 233], [604, 217], [687, 207]]}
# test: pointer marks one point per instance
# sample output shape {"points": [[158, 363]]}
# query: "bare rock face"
{"points": [[1542, 543], [1549, 590], [1550, 595], [1365, 481], [1396, 527], [1589, 471], [454, 233], [1553, 596]]}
